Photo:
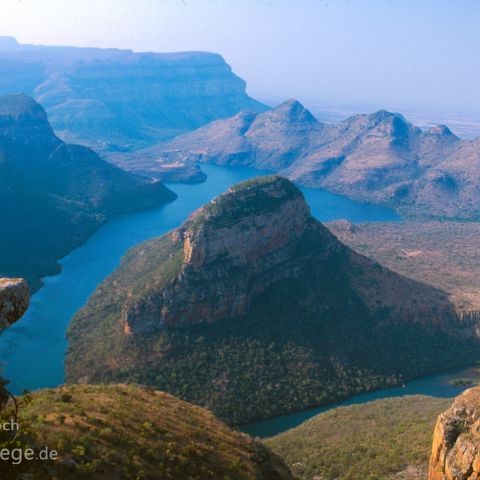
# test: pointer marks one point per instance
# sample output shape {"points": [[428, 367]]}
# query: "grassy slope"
{"points": [[128, 432], [378, 440]]}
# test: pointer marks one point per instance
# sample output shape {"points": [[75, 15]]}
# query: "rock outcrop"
{"points": [[456, 440], [118, 100], [14, 300], [253, 308], [380, 157], [233, 250], [54, 195]]}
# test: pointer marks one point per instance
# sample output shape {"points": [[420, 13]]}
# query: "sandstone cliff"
{"points": [[253, 308], [14, 300], [116, 100], [456, 441]]}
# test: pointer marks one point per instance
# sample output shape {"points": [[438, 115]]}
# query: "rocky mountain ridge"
{"points": [[54, 195], [114, 100], [253, 308], [379, 158]]}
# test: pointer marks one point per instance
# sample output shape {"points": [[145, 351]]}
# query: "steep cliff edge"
{"points": [[54, 195], [253, 308], [118, 100], [456, 440], [14, 300]]}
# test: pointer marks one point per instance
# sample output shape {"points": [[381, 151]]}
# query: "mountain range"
{"points": [[252, 308], [379, 158], [54, 195], [111, 99]]}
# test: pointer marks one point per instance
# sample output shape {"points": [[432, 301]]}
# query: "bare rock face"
{"points": [[233, 249], [14, 300], [456, 441]]}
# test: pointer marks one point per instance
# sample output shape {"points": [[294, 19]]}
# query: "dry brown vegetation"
{"points": [[443, 254], [128, 432]]}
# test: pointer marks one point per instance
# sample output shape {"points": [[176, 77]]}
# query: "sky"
{"points": [[417, 54]]}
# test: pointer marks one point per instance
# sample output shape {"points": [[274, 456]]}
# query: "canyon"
{"points": [[253, 283]]}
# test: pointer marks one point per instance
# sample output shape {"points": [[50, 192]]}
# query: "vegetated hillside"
{"points": [[443, 254], [127, 432], [379, 158], [114, 100], [252, 308], [386, 439], [53, 195]]}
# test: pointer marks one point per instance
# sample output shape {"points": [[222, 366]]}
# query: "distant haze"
{"points": [[402, 54]]}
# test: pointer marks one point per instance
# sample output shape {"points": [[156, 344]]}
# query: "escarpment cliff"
{"points": [[14, 300], [456, 440], [253, 308], [118, 100]]}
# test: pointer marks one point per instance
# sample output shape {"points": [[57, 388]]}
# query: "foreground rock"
{"points": [[14, 300], [253, 309], [456, 441]]}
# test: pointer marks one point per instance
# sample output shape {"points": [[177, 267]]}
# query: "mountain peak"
{"points": [[383, 115], [252, 197], [441, 131], [252, 229], [293, 110], [18, 104]]}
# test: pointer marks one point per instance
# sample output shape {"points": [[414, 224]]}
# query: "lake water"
{"points": [[32, 351]]}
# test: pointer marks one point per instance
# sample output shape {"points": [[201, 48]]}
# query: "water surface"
{"points": [[432, 385]]}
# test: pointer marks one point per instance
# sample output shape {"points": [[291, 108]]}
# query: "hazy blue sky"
{"points": [[412, 53]]}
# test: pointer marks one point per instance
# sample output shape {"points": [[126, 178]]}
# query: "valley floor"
{"points": [[386, 439], [443, 254]]}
